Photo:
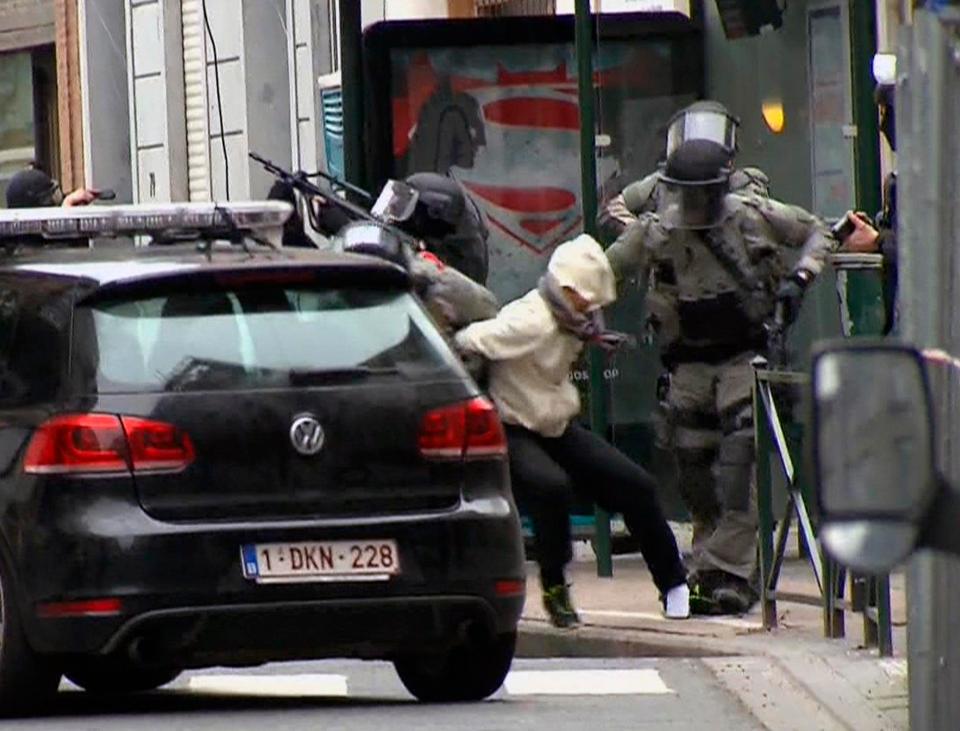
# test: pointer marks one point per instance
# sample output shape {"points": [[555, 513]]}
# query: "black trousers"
{"points": [[548, 472]]}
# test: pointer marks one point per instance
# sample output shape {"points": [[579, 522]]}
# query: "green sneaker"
{"points": [[702, 585], [702, 602], [556, 600]]}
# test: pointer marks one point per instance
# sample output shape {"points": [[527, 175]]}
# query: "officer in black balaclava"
{"points": [[33, 188], [882, 238], [450, 224]]}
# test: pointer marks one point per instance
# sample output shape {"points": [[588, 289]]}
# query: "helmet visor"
{"points": [[711, 126], [691, 206], [396, 202]]}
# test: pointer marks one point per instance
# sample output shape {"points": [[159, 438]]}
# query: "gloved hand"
{"points": [[790, 295]]}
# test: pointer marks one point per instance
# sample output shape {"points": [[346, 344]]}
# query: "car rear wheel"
{"points": [[117, 677], [468, 672], [26, 678]]}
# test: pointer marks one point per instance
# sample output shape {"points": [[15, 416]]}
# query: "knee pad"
{"points": [[734, 470], [696, 483], [738, 419]]}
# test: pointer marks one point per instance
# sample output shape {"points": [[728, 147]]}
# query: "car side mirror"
{"points": [[873, 453]]}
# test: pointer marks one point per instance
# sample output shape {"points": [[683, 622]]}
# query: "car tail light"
{"points": [[78, 443], [106, 444], [156, 446], [468, 430], [510, 587], [89, 608]]}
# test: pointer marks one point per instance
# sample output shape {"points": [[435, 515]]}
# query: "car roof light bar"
{"points": [[213, 220]]}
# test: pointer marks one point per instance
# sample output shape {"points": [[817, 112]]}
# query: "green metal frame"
{"points": [[870, 596], [588, 196]]}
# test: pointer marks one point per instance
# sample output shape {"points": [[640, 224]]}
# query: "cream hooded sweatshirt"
{"points": [[530, 356]]}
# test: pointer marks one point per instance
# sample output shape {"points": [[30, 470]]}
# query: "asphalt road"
{"points": [[640, 695]]}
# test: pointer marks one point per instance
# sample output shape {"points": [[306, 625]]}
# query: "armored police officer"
{"points": [[450, 223], [882, 238], [723, 253]]}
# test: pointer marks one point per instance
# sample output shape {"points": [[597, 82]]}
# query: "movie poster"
{"points": [[505, 121]]}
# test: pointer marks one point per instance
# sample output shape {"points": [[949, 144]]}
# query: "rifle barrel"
{"points": [[300, 182], [342, 183]]}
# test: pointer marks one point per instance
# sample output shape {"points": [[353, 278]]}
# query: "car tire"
{"points": [[468, 672], [117, 677], [26, 678]]}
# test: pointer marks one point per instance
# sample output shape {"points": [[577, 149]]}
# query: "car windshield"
{"points": [[260, 338]]}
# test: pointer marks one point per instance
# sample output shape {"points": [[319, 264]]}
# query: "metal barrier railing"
{"points": [[869, 595]]}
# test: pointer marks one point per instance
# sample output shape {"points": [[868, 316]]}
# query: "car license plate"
{"points": [[278, 563]]}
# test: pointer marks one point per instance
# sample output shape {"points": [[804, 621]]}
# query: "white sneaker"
{"points": [[676, 605]]}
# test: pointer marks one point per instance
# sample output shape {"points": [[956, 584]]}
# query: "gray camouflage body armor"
{"points": [[716, 287], [661, 301], [720, 285]]}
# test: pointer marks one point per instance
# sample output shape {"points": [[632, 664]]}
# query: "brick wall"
{"points": [[25, 23]]}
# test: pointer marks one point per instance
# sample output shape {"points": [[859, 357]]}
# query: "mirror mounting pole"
{"points": [[941, 529]]}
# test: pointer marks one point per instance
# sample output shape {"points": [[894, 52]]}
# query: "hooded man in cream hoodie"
{"points": [[531, 345]]}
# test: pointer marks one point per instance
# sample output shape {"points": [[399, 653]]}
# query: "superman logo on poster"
{"points": [[505, 122]]}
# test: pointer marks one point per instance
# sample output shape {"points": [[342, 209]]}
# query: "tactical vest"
{"points": [[724, 283]]}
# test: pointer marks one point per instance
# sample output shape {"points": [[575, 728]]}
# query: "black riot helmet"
{"points": [[440, 205], [368, 237], [706, 127], [449, 223], [701, 146], [33, 188]]}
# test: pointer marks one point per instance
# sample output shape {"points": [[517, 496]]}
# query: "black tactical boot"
{"points": [[556, 600], [735, 595]]}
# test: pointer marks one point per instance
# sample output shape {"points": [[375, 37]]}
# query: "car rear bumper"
{"points": [[250, 634], [182, 591]]}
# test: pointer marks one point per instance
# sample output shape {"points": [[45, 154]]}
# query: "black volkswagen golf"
{"points": [[230, 455]]}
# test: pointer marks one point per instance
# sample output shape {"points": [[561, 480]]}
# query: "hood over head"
{"points": [[581, 265]]}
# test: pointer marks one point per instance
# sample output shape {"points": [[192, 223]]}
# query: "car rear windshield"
{"points": [[257, 337]]}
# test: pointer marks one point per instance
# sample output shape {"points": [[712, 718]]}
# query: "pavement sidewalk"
{"points": [[789, 678]]}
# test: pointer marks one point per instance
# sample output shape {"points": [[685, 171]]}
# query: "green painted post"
{"points": [[351, 85], [864, 291], [588, 197], [764, 481], [863, 41]]}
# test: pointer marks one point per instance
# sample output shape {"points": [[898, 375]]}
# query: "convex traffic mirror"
{"points": [[873, 452]]}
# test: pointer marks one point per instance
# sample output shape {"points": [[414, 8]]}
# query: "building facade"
{"points": [[129, 94], [163, 99], [39, 89]]}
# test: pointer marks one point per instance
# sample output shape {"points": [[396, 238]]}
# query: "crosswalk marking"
{"points": [[277, 686], [585, 682], [518, 683]]}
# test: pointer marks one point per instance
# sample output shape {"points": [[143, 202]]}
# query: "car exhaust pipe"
{"points": [[136, 651]]}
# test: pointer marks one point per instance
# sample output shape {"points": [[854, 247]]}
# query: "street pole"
{"points": [[928, 137], [588, 197], [351, 85], [863, 19]]}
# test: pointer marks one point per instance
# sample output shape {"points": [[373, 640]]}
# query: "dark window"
{"points": [[28, 120], [256, 338], [34, 320]]}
